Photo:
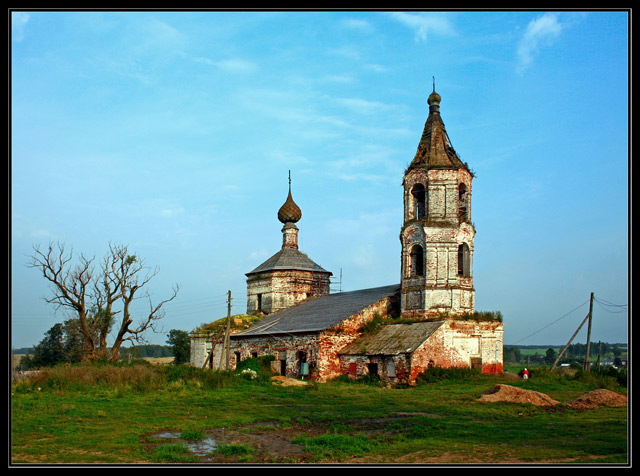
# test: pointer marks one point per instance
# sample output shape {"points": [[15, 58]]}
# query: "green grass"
{"points": [[336, 446], [192, 435], [108, 415], [234, 449], [172, 453]]}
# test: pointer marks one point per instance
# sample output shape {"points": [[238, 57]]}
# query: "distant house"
{"points": [[425, 319]]}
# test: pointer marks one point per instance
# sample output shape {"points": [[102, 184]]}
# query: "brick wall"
{"points": [[283, 289]]}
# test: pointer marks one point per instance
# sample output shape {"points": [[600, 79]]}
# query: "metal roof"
{"points": [[290, 259], [393, 339], [318, 313]]}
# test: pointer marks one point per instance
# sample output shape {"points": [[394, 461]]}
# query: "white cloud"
{"points": [[540, 32], [171, 211], [425, 24], [18, 23], [232, 65], [358, 24], [362, 106]]}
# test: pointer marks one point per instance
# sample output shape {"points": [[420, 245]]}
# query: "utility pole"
{"points": [[226, 347], [587, 367], [569, 343]]}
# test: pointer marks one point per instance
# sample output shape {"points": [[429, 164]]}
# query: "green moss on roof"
{"points": [[238, 323]]}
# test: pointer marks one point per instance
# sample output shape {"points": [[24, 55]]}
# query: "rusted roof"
{"points": [[393, 339], [318, 313], [289, 259], [435, 149]]}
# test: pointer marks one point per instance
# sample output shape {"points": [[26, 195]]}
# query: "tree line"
{"points": [[60, 345], [574, 353]]}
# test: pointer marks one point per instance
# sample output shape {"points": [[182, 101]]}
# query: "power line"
{"points": [[551, 323], [606, 306]]}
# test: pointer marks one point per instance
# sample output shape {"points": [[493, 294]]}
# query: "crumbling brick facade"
{"points": [[437, 234], [452, 343], [319, 349], [273, 290], [313, 334]]}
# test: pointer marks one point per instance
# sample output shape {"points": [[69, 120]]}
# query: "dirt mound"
{"points": [[598, 398], [287, 382], [507, 393]]}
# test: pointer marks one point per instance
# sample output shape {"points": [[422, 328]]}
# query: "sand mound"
{"points": [[598, 398], [507, 393], [287, 382]]}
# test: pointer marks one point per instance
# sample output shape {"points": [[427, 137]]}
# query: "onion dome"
{"points": [[289, 212], [434, 98]]}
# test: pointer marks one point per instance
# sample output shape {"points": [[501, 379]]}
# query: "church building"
{"points": [[428, 319]]}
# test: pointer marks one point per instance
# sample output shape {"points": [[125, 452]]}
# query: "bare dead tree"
{"points": [[95, 298]]}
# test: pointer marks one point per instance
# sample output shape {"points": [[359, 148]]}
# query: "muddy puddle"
{"points": [[269, 442]]}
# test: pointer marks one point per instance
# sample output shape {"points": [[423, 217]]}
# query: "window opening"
{"points": [[372, 369], [391, 368], [419, 201], [462, 202], [283, 367], [417, 261], [463, 260]]}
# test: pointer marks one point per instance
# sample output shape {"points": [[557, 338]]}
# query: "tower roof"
{"points": [[289, 259], [435, 149]]}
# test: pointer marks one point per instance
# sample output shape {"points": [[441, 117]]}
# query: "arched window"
{"points": [[464, 263], [417, 261], [419, 196], [463, 203]]}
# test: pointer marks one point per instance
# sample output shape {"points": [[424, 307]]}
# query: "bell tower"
{"points": [[437, 234]]}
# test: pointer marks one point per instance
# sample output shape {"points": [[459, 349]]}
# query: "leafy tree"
{"points": [[49, 352], [100, 300], [512, 353], [550, 356], [180, 344]]}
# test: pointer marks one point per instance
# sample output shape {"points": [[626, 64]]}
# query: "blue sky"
{"points": [[173, 133]]}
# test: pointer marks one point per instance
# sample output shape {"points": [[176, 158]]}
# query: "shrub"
{"points": [[437, 374], [203, 378], [608, 378], [256, 368], [139, 378], [122, 378]]}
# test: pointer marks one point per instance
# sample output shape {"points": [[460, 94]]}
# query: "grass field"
{"points": [[153, 414]]}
